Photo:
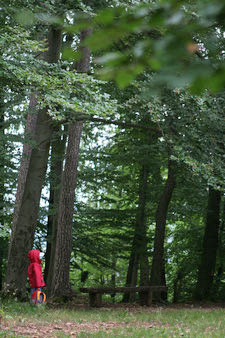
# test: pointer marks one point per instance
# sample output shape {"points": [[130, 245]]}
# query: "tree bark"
{"points": [[25, 160], [210, 245], [132, 272], [220, 252], [142, 240], [26, 218], [176, 285], [2, 185], [60, 285], [82, 66], [57, 157], [161, 215], [139, 246], [56, 168]]}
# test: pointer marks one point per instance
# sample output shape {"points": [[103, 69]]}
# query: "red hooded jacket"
{"points": [[34, 271]]}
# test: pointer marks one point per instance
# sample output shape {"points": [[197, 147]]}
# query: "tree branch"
{"points": [[83, 117]]}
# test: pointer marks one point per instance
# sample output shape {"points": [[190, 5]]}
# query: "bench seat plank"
{"points": [[123, 289], [95, 294]]}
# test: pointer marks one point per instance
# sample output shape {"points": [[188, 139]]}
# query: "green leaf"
{"points": [[105, 16], [70, 54], [25, 17]]}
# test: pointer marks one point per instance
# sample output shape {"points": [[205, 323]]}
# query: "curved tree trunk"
{"points": [[157, 270], [60, 285], [26, 218], [210, 244]]}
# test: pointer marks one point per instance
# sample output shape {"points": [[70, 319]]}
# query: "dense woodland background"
{"points": [[112, 145]]}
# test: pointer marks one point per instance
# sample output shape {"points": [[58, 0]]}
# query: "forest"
{"points": [[112, 146]]}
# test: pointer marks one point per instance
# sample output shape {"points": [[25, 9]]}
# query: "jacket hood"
{"points": [[34, 256]]}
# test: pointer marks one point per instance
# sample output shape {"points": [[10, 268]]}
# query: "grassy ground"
{"points": [[76, 320]]}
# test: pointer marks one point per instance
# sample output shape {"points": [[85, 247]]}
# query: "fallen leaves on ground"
{"points": [[71, 328], [74, 328]]}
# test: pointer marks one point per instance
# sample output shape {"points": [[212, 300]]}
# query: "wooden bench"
{"points": [[95, 294]]}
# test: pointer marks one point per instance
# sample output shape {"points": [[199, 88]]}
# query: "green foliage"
{"points": [[71, 94], [58, 87], [181, 41], [192, 127]]}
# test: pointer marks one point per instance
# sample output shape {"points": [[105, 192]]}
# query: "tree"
{"points": [[56, 167], [158, 270], [56, 97], [60, 283], [210, 245], [3, 234], [139, 255], [16, 48], [23, 232]]}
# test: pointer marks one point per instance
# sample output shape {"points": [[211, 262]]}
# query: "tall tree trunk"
{"points": [[221, 250], [210, 244], [25, 160], [113, 277], [139, 246], [82, 66], [57, 156], [56, 168], [157, 269], [143, 252], [24, 228], [60, 285], [49, 237], [142, 234], [1, 261], [132, 272], [2, 184], [176, 285]]}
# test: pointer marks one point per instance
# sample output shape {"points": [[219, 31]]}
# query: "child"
{"points": [[34, 273]]}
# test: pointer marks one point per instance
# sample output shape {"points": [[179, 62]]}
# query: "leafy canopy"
{"points": [[180, 40]]}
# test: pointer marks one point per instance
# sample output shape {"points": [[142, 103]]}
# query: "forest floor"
{"points": [[75, 319]]}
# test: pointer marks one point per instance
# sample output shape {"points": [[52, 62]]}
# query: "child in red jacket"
{"points": [[34, 272]]}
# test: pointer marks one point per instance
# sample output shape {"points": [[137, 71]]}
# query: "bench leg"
{"points": [[95, 299], [149, 298], [145, 298]]}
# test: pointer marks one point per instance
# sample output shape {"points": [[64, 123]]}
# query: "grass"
{"points": [[179, 321]]}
